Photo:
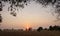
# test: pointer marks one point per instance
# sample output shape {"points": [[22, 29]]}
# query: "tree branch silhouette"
{"points": [[22, 3]]}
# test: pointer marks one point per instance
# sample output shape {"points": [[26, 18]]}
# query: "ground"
{"points": [[30, 33]]}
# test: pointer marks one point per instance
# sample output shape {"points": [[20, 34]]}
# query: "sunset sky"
{"points": [[34, 15]]}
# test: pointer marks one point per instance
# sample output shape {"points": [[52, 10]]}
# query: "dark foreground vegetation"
{"points": [[51, 31]]}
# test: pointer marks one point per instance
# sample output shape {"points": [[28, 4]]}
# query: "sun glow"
{"points": [[27, 25]]}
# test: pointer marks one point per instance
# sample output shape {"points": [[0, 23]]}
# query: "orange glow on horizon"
{"points": [[27, 25]]}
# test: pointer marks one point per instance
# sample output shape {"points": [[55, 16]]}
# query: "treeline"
{"points": [[51, 28]]}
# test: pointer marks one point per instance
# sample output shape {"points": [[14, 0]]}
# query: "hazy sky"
{"points": [[33, 15]]}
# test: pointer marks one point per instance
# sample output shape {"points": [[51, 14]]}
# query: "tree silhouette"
{"points": [[0, 6], [57, 28], [0, 18], [51, 28], [39, 29], [13, 6], [54, 3], [21, 3], [30, 29], [0, 30]]}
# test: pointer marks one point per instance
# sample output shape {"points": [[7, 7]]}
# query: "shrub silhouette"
{"points": [[45, 29]]}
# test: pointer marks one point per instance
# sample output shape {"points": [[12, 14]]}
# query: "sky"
{"points": [[33, 15]]}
